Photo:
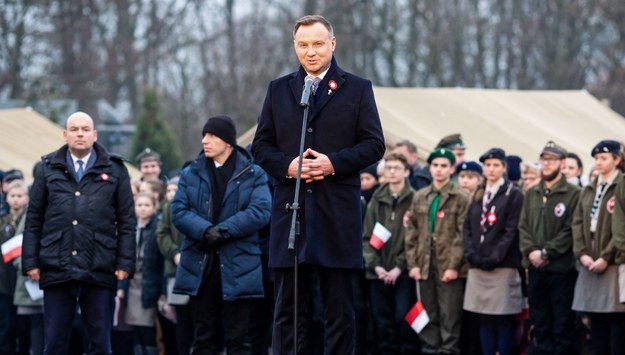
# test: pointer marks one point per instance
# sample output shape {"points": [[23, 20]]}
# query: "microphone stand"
{"points": [[295, 223]]}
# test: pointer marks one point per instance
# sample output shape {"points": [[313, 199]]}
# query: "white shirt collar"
{"points": [[85, 159], [610, 179], [320, 76], [494, 188]]}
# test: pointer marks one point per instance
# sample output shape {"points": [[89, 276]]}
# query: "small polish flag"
{"points": [[417, 317], [12, 248], [379, 236]]}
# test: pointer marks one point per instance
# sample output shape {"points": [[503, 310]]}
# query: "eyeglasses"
{"points": [[391, 168]]}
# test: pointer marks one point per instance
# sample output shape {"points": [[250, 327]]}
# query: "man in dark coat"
{"points": [[79, 238], [343, 136], [222, 202]]}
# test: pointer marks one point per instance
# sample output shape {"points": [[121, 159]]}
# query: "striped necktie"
{"points": [[595, 204], [315, 86], [485, 203]]}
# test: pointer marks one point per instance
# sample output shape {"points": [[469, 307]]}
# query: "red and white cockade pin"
{"points": [[491, 217], [440, 214], [104, 176], [332, 85]]}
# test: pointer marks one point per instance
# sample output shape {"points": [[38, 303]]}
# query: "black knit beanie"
{"points": [[223, 127]]}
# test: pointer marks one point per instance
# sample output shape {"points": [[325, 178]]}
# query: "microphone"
{"points": [[308, 83]]}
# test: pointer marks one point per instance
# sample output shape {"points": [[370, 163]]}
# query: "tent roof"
{"points": [[521, 122], [26, 136]]}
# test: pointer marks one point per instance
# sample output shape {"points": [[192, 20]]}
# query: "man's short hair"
{"points": [[311, 20], [412, 148], [397, 156]]}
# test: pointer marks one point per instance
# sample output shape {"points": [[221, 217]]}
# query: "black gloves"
{"points": [[213, 237]]}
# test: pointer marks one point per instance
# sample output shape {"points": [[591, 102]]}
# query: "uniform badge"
{"points": [[406, 218], [559, 209], [104, 176], [440, 214], [610, 204]]}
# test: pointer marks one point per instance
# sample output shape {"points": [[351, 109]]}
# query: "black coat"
{"points": [[80, 231], [500, 245], [343, 124]]}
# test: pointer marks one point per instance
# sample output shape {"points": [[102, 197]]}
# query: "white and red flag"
{"points": [[380, 236], [12, 248], [417, 317]]}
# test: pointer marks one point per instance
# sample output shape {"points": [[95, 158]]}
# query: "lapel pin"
{"points": [[332, 84]]}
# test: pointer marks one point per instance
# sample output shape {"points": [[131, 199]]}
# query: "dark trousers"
{"points": [[7, 325], [607, 333], [389, 306], [262, 318], [335, 290], [497, 334], [550, 295], [96, 307], [30, 336], [184, 329], [213, 318]]}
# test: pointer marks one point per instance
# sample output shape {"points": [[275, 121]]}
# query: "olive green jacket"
{"points": [[380, 209], [447, 237], [547, 225], [603, 246], [618, 220], [169, 239]]}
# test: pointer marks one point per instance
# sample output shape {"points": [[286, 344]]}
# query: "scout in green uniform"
{"points": [[391, 291], [434, 253], [546, 245], [596, 289]]}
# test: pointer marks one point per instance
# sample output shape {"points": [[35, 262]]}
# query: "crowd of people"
{"points": [[206, 259]]}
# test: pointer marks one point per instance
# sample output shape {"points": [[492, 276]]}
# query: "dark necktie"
{"points": [[80, 172]]}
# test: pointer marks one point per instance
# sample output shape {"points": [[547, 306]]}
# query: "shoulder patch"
{"points": [[610, 205]]}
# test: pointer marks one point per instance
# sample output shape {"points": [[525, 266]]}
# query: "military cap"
{"points": [[552, 148], [469, 166], [606, 146], [147, 155], [451, 141], [442, 153], [494, 153]]}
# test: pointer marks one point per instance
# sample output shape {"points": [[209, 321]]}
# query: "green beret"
{"points": [[442, 153]]}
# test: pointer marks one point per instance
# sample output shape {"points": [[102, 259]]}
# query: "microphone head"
{"points": [[309, 78]]}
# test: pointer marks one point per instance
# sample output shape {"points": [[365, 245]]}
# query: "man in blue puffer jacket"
{"points": [[221, 203]]}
